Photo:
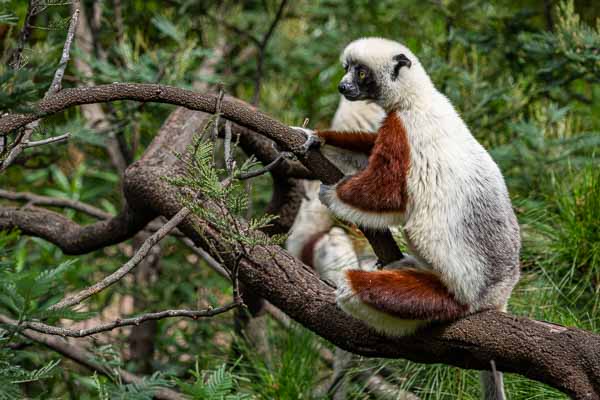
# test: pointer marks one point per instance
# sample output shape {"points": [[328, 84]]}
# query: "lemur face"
{"points": [[383, 71], [359, 83]]}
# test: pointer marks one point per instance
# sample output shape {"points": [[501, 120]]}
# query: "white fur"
{"points": [[333, 254], [329, 197]]}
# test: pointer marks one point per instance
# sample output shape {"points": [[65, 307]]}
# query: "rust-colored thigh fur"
{"points": [[406, 293]]}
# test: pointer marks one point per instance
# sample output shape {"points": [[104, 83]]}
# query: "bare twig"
{"points": [[33, 198], [269, 167], [54, 88], [118, 323], [15, 57], [128, 266], [214, 264], [55, 139], [262, 50], [82, 356], [229, 161]]}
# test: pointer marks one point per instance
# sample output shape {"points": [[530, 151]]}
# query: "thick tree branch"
{"points": [[32, 198], [235, 110], [69, 236]]}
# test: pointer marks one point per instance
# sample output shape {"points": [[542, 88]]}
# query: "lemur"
{"points": [[429, 175]]}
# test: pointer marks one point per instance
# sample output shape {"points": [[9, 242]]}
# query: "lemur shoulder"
{"points": [[427, 174]]}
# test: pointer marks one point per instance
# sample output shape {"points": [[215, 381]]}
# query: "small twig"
{"points": [[272, 165], [55, 139], [128, 266], [33, 198], [214, 264], [262, 47], [15, 58], [215, 133], [194, 314], [54, 88], [229, 161]]}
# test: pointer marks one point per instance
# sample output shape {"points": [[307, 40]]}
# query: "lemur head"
{"points": [[385, 72]]}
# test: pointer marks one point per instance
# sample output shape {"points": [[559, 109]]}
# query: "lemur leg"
{"points": [[397, 301]]}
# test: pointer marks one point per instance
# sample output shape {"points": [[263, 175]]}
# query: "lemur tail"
{"points": [[492, 385]]}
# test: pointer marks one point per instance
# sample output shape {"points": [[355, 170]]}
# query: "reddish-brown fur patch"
{"points": [[307, 256], [381, 187], [406, 293], [361, 142]]}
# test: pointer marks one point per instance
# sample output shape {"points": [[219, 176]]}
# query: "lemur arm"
{"points": [[381, 187], [361, 142]]}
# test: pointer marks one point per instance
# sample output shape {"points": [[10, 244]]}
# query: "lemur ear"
{"points": [[401, 61]]}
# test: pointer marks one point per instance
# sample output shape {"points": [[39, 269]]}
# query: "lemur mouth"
{"points": [[355, 95], [352, 97]]}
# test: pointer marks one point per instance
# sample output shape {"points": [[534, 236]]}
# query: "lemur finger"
{"points": [[312, 140], [306, 131]]}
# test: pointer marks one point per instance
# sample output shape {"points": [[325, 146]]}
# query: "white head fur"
{"points": [[412, 87]]}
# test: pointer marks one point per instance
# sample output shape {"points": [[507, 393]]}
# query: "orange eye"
{"points": [[362, 75]]}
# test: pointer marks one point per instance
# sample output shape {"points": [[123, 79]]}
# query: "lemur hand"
{"points": [[313, 141]]}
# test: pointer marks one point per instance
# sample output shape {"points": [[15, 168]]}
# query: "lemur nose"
{"points": [[344, 87]]}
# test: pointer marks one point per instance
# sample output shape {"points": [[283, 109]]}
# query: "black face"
{"points": [[359, 83]]}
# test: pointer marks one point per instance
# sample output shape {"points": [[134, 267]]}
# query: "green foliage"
{"points": [[12, 375], [142, 390], [289, 371], [226, 191], [220, 384], [29, 294]]}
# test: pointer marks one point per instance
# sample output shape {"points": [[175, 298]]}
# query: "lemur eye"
{"points": [[345, 66], [362, 75]]}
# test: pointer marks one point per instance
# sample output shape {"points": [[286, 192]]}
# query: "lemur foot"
{"points": [[313, 141], [326, 192]]}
